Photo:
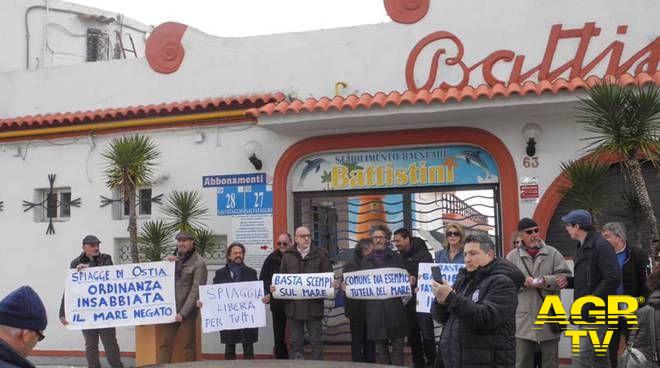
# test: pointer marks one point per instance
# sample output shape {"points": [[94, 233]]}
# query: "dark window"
{"points": [[65, 204], [145, 201], [98, 45]]}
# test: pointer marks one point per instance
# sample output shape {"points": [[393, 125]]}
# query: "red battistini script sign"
{"points": [[646, 59]]}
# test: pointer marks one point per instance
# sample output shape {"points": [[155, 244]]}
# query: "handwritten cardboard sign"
{"points": [[304, 285], [232, 306], [425, 292], [379, 283]]}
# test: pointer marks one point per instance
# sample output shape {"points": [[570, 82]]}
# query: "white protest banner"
{"points": [[379, 283], [126, 295], [232, 306], [425, 293], [304, 285]]}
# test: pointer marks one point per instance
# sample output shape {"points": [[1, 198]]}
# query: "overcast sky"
{"points": [[248, 17]]}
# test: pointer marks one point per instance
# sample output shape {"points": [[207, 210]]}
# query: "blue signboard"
{"points": [[250, 199], [228, 180]]}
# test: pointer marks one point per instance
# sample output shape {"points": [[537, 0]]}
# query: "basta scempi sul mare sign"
{"points": [[123, 295], [401, 167]]}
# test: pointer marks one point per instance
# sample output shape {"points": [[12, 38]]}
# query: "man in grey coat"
{"points": [[545, 273]]}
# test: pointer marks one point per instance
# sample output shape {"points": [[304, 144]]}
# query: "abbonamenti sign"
{"points": [[401, 167]]}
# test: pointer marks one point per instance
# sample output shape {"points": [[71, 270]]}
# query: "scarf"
{"points": [[532, 251], [304, 252], [235, 270], [178, 265], [378, 256]]}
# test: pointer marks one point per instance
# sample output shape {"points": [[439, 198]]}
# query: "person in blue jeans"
{"points": [[452, 250]]}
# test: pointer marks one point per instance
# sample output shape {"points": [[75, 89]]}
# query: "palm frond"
{"points": [[206, 242], [130, 161], [623, 120], [185, 210], [155, 240], [588, 187]]}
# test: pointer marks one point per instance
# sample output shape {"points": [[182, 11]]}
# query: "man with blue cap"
{"points": [[596, 272], [22, 322]]}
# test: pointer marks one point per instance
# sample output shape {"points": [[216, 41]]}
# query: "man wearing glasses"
{"points": [[92, 257], [302, 257], [272, 266], [22, 320], [545, 273]]}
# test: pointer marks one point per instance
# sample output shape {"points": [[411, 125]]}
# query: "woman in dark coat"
{"points": [[642, 340], [386, 318], [237, 271]]}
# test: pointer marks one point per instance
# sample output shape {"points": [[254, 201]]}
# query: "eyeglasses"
{"points": [[378, 237], [40, 335], [453, 233], [532, 231], [304, 236], [282, 243]]}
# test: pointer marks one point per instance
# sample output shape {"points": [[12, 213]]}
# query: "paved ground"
{"points": [[68, 362]]}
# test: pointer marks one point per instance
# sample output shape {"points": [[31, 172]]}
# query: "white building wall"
{"points": [[47, 33]]}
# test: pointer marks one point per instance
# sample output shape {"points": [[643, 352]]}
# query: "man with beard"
{"points": [[546, 271], [237, 271], [479, 312], [421, 336], [270, 267], [190, 272], [92, 257]]}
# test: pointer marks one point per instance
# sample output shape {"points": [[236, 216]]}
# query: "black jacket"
{"points": [[596, 270], [101, 260], [386, 319], [317, 261], [355, 309], [270, 267], [480, 317], [244, 335], [10, 358], [417, 254], [634, 273]]}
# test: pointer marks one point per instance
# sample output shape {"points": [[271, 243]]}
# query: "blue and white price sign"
{"points": [[245, 199]]}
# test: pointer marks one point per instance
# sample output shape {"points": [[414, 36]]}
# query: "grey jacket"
{"points": [[548, 264], [642, 339], [186, 287]]}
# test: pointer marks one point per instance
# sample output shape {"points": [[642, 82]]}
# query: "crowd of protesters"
{"points": [[487, 316]]}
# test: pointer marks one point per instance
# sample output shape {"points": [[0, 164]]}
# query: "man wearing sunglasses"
{"points": [[545, 273], [272, 266], [92, 257], [596, 273], [22, 320]]}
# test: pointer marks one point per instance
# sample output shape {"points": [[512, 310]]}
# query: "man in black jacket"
{"points": [[634, 265], [421, 336], [479, 312], [92, 257], [22, 322], [237, 271], [270, 267], [596, 272]]}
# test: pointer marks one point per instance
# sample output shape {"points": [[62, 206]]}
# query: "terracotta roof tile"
{"points": [[380, 99], [140, 111]]}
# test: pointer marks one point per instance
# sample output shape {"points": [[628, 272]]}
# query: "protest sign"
{"points": [[125, 295], [232, 306], [304, 285], [379, 283], [425, 293]]}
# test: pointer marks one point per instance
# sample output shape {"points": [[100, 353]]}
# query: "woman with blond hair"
{"points": [[452, 250]]}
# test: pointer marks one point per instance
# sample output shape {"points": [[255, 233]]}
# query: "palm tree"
{"points": [[625, 121], [185, 210], [588, 186], [205, 242], [155, 240], [129, 164]]}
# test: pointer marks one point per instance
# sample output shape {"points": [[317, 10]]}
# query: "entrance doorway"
{"points": [[338, 219]]}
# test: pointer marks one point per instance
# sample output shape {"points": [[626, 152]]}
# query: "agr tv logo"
{"points": [[599, 313]]}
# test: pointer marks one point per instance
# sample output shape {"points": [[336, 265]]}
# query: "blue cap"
{"points": [[23, 308], [578, 217]]}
